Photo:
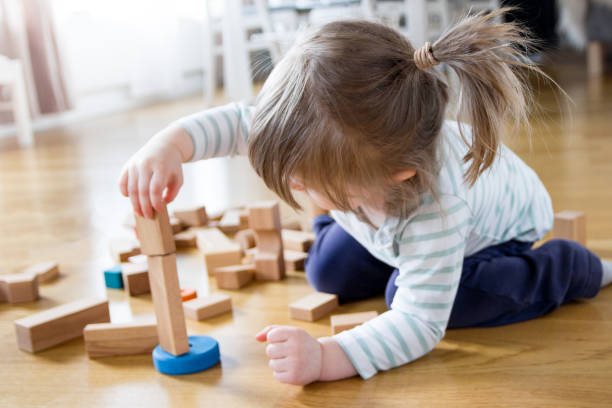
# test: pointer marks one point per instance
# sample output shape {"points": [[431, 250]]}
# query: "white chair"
{"points": [[12, 75]]}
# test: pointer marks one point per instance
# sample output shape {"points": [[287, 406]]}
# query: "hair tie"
{"points": [[424, 58]]}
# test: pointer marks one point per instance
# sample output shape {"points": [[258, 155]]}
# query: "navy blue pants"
{"points": [[502, 284]]}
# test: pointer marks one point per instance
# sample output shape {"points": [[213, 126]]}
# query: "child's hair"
{"points": [[352, 104]]}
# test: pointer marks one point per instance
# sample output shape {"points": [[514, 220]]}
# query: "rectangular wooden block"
{"points": [[209, 306], [218, 249], [294, 260], [570, 225], [186, 239], [120, 339], [177, 225], [136, 278], [230, 222], [269, 241], [269, 266], [155, 234], [347, 321], [313, 307], [123, 248], [298, 240], [19, 288], [192, 217], [264, 216], [59, 324], [246, 239], [235, 276], [166, 293], [45, 271]]}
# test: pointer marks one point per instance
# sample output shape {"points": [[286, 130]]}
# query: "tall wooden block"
{"points": [[136, 278], [269, 266], [234, 277], [298, 240], [166, 293], [120, 339], [155, 234], [19, 288], [570, 225], [209, 306], [313, 307], [192, 217], [45, 271], [349, 320], [294, 260], [218, 249], [59, 324], [123, 248], [264, 216]]}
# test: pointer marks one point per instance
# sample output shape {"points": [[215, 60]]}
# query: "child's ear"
{"points": [[404, 175]]}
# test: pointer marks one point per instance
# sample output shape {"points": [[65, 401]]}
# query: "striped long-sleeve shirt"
{"points": [[507, 202]]}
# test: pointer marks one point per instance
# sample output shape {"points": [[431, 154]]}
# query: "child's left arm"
{"points": [[298, 358]]}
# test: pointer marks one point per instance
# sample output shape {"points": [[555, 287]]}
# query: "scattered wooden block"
{"points": [[120, 339], [294, 225], [244, 218], [298, 240], [19, 287], [123, 248], [155, 234], [313, 307], [269, 266], [113, 277], [246, 239], [45, 271], [295, 260], [186, 239], [249, 256], [163, 278], [138, 259], [136, 278], [188, 294], [230, 222], [347, 321], [209, 306], [264, 216], [177, 225], [59, 324], [235, 276], [218, 249], [192, 217], [570, 225]]}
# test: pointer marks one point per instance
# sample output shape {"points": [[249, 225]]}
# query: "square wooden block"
{"points": [[45, 271], [192, 217], [209, 306], [570, 225], [297, 240], [269, 266], [269, 241], [264, 216], [235, 276], [347, 321], [19, 288], [136, 278], [294, 260], [155, 234], [313, 307], [120, 339]]}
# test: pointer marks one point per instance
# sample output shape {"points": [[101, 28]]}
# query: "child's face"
{"points": [[320, 199]]}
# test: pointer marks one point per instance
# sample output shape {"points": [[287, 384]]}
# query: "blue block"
{"points": [[203, 354], [113, 277]]}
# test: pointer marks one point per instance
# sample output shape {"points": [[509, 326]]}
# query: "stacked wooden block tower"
{"points": [[264, 219]]}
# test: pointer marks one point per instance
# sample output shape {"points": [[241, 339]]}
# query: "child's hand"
{"points": [[153, 174], [295, 356]]}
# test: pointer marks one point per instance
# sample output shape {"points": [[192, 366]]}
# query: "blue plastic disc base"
{"points": [[203, 354]]}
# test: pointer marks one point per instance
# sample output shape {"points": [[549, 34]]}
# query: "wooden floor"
{"points": [[59, 200]]}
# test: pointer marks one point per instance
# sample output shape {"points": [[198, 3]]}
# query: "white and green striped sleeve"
{"points": [[430, 259], [218, 132]]}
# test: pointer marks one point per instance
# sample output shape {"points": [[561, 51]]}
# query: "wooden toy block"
{"points": [[209, 306], [177, 225], [218, 249], [235, 276], [155, 234], [45, 271], [138, 259], [186, 239], [293, 225], [244, 218], [313, 307], [570, 225], [230, 223], [269, 266], [347, 321], [298, 240], [59, 324], [192, 217], [246, 239], [249, 256], [295, 260], [113, 277], [269, 241], [264, 216], [19, 288], [136, 278], [188, 294], [122, 248], [163, 278], [120, 339]]}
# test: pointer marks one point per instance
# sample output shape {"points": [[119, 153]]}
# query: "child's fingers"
{"points": [[144, 181], [123, 182], [276, 350], [263, 334], [173, 188], [280, 365], [133, 190], [279, 334], [156, 188]]}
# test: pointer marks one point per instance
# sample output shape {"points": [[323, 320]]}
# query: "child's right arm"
{"points": [[154, 174]]}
